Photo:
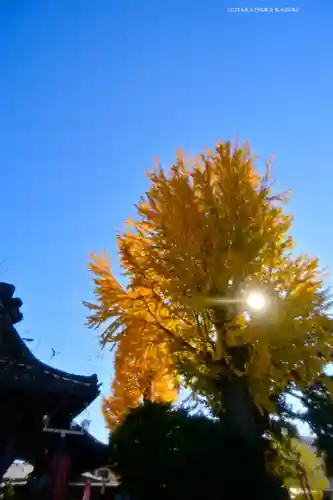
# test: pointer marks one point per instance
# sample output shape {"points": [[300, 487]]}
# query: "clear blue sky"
{"points": [[90, 91]]}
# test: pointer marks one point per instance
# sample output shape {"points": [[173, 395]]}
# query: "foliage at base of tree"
{"points": [[162, 452], [318, 403]]}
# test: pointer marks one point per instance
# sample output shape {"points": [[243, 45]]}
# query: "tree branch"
{"points": [[169, 333]]}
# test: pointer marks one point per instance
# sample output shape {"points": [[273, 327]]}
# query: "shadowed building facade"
{"points": [[39, 404]]}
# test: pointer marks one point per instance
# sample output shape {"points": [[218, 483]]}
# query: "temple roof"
{"points": [[41, 401], [15, 353], [22, 373]]}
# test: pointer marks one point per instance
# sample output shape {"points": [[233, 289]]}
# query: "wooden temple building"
{"points": [[38, 405]]}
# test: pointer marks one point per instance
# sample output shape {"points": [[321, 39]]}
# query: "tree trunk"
{"points": [[243, 417], [240, 410], [248, 425]]}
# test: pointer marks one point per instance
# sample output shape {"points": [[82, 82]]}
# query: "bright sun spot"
{"points": [[256, 301]]}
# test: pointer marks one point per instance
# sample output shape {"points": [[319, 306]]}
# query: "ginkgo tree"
{"points": [[208, 232]]}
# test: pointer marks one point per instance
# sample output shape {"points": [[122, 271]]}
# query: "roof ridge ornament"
{"points": [[10, 305]]}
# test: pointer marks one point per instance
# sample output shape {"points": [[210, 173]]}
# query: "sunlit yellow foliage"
{"points": [[305, 469], [315, 495], [130, 386], [140, 373], [206, 232], [143, 366]]}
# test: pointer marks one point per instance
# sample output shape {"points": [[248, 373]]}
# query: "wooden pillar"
{"points": [[60, 470]]}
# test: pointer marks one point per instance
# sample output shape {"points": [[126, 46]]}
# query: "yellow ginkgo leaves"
{"points": [[143, 367]]}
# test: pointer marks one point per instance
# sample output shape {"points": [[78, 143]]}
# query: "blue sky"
{"points": [[91, 91]]}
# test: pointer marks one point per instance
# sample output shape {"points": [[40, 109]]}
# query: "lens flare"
{"points": [[256, 301]]}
